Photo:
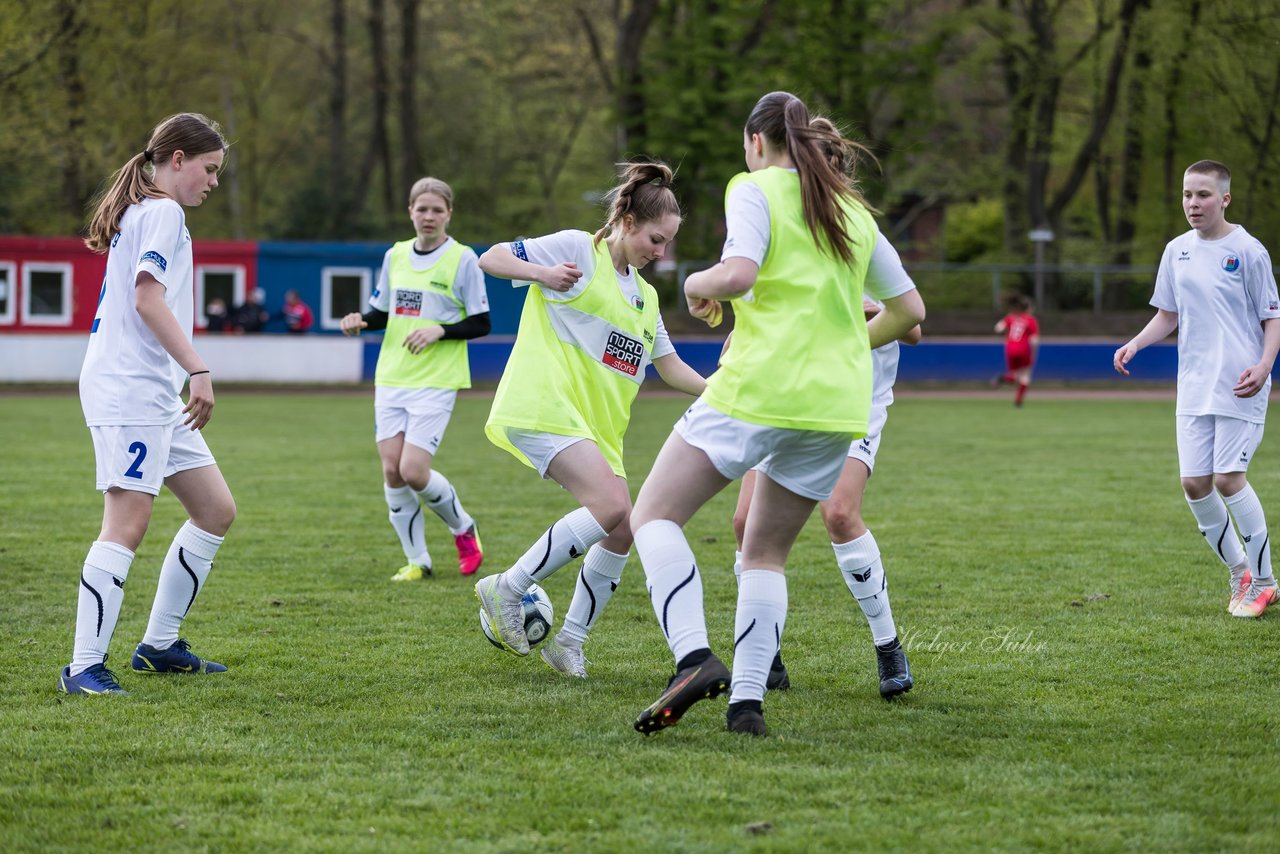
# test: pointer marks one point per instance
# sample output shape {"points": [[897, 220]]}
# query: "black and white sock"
{"points": [[406, 521], [568, 538], [442, 499], [98, 607], [863, 573], [601, 571], [1252, 523], [182, 577], [675, 587], [757, 631], [1215, 526]]}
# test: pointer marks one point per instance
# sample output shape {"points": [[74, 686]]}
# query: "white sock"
{"points": [[182, 576], [406, 520], [1215, 525], [442, 499], [675, 588], [568, 538], [1252, 523], [737, 567], [101, 593], [863, 573], [757, 631], [599, 577]]}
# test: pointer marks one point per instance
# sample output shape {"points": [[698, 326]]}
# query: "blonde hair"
{"points": [[644, 191], [190, 133], [431, 185]]}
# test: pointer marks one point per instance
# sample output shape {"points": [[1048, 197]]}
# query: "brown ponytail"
{"points": [[644, 191], [824, 159], [190, 133]]}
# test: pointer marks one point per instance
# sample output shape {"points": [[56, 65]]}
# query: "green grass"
{"points": [[1122, 710]]}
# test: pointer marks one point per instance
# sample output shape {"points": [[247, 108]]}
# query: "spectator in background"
{"points": [[297, 314], [251, 316], [215, 316]]}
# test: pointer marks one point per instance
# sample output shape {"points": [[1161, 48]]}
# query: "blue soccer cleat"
{"points": [[96, 680], [176, 659]]}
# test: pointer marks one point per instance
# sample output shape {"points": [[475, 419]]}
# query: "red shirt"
{"points": [[1018, 329]]}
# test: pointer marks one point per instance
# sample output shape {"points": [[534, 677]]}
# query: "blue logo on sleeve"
{"points": [[155, 258], [517, 249]]}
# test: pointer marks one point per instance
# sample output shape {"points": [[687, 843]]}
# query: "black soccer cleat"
{"points": [[778, 679], [747, 718], [702, 681], [895, 673]]}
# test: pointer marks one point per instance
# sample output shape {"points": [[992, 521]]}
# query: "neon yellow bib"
{"points": [[577, 364], [800, 357], [421, 298]]}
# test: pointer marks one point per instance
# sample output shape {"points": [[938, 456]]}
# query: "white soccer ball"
{"points": [[538, 617]]}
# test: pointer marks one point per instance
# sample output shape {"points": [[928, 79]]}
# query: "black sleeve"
{"points": [[474, 326], [376, 319]]}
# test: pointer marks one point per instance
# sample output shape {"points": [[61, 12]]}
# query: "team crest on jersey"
{"points": [[155, 258], [637, 303], [408, 303], [1231, 263], [623, 354]]}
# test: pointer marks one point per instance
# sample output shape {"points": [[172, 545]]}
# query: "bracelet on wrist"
{"points": [[197, 373]]}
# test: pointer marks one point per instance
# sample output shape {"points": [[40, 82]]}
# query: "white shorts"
{"points": [[1215, 444], [139, 457], [540, 448], [806, 462], [864, 450], [421, 414]]}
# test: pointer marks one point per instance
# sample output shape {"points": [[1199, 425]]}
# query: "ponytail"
{"points": [[644, 191], [825, 160], [191, 133]]}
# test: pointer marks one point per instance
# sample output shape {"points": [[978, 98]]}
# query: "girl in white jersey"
{"points": [[790, 395], [1216, 287], [857, 554], [589, 329], [140, 355], [430, 300]]}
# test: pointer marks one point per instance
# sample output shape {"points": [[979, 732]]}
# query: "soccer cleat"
{"points": [[568, 660], [412, 572], [470, 552], [746, 717], [96, 680], [895, 673], [703, 681], [506, 619], [1239, 586], [778, 679], [1256, 598], [176, 659]]}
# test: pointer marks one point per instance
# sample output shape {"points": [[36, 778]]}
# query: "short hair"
{"points": [[1212, 168]]}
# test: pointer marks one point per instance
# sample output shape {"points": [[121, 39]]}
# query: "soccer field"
{"points": [[1079, 684]]}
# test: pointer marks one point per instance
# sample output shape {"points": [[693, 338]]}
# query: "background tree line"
{"points": [[1074, 115]]}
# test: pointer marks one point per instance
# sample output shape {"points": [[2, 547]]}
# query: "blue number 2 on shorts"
{"points": [[141, 451]]}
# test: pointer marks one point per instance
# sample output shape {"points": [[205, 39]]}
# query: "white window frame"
{"points": [[62, 319], [327, 275], [237, 289], [10, 314]]}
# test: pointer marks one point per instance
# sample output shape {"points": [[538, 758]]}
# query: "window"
{"points": [[7, 291], [342, 291], [46, 294], [218, 283]]}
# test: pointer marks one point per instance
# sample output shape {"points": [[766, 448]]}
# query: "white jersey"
{"points": [[468, 284], [747, 236], [579, 248], [127, 377], [1221, 290]]}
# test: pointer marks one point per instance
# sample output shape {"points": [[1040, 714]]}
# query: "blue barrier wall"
{"points": [[928, 361]]}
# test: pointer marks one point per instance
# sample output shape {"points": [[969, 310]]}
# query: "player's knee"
{"points": [[613, 515], [391, 476], [739, 527], [843, 520], [416, 476], [1230, 484], [1197, 487], [220, 517]]}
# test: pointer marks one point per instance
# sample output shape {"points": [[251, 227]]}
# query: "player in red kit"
{"points": [[1021, 344]]}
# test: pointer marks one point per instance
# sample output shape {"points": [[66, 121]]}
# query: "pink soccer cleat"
{"points": [[1257, 597], [470, 552]]}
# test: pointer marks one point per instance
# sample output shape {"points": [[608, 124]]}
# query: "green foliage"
{"points": [[1079, 684], [974, 230]]}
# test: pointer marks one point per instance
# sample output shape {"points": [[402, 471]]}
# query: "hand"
{"points": [[1252, 381], [199, 408], [562, 277], [423, 337], [1122, 357], [709, 310], [353, 323]]}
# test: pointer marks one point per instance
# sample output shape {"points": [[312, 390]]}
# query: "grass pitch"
{"points": [[1079, 683]]}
